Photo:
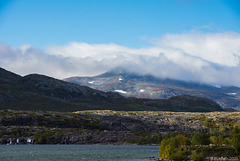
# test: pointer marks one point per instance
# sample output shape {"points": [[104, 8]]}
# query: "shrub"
{"points": [[169, 145], [180, 155], [200, 139], [197, 157], [236, 140], [43, 137]]}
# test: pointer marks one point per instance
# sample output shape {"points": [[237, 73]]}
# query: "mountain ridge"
{"points": [[150, 87], [39, 92]]}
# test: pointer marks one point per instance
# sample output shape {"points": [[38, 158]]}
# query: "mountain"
{"points": [[7, 77], [150, 87], [39, 92]]}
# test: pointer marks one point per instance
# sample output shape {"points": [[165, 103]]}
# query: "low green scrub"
{"points": [[142, 138], [43, 137]]}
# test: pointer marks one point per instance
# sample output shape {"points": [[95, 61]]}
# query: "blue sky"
{"points": [[125, 22], [190, 40]]}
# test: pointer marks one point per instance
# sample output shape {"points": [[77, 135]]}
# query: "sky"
{"points": [[190, 40]]}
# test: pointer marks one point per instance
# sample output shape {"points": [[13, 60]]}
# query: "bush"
{"points": [[169, 145], [146, 138], [43, 137], [197, 157], [217, 140], [200, 139], [180, 155]]}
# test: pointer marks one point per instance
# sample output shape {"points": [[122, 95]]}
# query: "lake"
{"points": [[77, 152]]}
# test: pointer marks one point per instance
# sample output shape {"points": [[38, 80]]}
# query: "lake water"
{"points": [[77, 152]]}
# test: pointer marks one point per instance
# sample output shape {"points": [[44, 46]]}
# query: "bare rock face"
{"points": [[122, 124]]}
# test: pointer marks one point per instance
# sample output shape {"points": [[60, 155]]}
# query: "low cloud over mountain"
{"points": [[209, 58]]}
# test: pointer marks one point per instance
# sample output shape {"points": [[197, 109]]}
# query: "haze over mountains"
{"points": [[39, 92], [150, 87]]}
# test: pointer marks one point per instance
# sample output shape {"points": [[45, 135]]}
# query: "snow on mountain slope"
{"points": [[147, 86]]}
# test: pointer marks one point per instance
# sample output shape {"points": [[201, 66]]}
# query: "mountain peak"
{"points": [[115, 72], [122, 72], [130, 84]]}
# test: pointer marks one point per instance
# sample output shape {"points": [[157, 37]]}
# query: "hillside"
{"points": [[147, 86], [39, 92], [109, 127]]}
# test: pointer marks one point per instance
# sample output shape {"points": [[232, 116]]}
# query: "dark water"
{"points": [[76, 152]]}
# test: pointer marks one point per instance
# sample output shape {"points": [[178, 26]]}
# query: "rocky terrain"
{"points": [[39, 92], [106, 127], [147, 86]]}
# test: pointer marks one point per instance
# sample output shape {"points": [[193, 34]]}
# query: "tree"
{"points": [[197, 157], [236, 140], [169, 145], [166, 148], [200, 139], [180, 155], [217, 140]]}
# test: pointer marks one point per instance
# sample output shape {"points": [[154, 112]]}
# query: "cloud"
{"points": [[220, 48], [27, 60], [207, 58]]}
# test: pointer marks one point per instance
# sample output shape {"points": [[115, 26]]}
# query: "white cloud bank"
{"points": [[208, 58]]}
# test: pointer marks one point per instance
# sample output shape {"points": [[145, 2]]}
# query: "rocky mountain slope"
{"points": [[39, 92], [146, 86]]}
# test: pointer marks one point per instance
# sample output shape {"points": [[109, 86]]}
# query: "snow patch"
{"points": [[141, 90], [120, 91], [91, 82], [217, 86], [231, 93]]}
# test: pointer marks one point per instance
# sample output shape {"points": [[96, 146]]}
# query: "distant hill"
{"points": [[39, 92], [150, 87]]}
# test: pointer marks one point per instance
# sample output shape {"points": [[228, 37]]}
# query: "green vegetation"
{"points": [[144, 138], [171, 147], [44, 127], [236, 140], [197, 157], [43, 137], [200, 139], [200, 145], [216, 133]]}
